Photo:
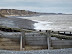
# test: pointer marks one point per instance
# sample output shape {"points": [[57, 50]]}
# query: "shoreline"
{"points": [[40, 22], [45, 24], [17, 23]]}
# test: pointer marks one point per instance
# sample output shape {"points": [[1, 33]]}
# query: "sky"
{"points": [[48, 6]]}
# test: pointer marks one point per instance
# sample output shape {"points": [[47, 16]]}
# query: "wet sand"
{"points": [[17, 23]]}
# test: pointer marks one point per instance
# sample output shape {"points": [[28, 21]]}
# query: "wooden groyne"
{"points": [[38, 39]]}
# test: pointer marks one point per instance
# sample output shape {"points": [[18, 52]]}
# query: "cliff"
{"points": [[16, 12], [1, 15]]}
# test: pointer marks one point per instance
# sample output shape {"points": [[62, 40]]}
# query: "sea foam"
{"points": [[42, 25]]}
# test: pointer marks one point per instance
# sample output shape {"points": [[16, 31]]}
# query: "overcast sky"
{"points": [[49, 6]]}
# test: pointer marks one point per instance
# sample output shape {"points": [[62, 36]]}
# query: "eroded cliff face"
{"points": [[1, 15], [16, 12]]}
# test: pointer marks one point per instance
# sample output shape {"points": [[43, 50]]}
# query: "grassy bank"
{"points": [[7, 29]]}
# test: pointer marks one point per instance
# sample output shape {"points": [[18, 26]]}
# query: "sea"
{"points": [[52, 22]]}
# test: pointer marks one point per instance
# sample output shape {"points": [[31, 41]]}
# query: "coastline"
{"points": [[17, 23], [52, 22], [42, 22]]}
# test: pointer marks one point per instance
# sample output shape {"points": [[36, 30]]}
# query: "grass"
{"points": [[3, 28], [62, 37], [58, 36], [28, 31]]}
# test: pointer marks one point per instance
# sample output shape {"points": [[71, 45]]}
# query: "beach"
{"points": [[17, 23], [42, 22]]}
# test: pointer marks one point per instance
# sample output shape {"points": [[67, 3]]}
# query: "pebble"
{"points": [[56, 51]]}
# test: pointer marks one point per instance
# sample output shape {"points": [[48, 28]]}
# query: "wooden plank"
{"points": [[48, 38], [23, 39], [21, 43]]}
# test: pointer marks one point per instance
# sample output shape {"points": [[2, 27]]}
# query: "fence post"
{"points": [[70, 33], [64, 32], [22, 40], [48, 38], [58, 32]]}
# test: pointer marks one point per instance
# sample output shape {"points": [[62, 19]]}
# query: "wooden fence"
{"points": [[38, 39]]}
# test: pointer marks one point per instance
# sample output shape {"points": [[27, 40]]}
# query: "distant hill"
{"points": [[15, 12]]}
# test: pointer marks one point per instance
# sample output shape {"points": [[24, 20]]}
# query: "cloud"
{"points": [[38, 5], [36, 1]]}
